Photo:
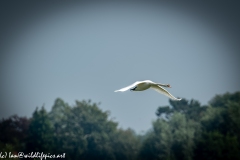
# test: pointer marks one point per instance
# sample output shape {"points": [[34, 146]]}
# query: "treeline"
{"points": [[184, 130]]}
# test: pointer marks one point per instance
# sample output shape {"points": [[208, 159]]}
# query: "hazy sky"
{"points": [[86, 51]]}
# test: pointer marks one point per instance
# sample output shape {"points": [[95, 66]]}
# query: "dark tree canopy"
{"points": [[184, 130]]}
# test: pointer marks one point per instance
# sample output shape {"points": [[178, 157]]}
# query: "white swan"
{"points": [[143, 85]]}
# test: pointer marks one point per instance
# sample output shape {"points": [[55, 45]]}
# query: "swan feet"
{"points": [[133, 89]]}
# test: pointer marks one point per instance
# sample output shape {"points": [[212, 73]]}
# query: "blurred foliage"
{"points": [[214, 145], [172, 139], [13, 132], [40, 133], [184, 130]]}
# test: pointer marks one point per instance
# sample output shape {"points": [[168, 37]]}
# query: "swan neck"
{"points": [[163, 85]]}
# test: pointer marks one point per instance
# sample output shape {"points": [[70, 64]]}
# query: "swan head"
{"points": [[164, 85]]}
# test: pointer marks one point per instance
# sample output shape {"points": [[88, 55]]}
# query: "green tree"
{"points": [[192, 109], [214, 145], [184, 130], [126, 144], [13, 132], [40, 135], [84, 131], [220, 123], [171, 139], [158, 143], [223, 114], [221, 101], [233, 111]]}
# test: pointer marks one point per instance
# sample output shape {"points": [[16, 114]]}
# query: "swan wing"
{"points": [[163, 91], [128, 87]]}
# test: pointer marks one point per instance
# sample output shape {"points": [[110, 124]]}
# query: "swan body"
{"points": [[143, 85]]}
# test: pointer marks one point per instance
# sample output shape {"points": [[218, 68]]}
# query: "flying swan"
{"points": [[143, 85]]}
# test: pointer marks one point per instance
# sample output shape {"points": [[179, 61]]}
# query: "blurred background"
{"points": [[68, 51]]}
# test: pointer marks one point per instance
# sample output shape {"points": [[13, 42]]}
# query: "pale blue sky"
{"points": [[78, 53]]}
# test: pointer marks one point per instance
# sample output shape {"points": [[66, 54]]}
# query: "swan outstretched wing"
{"points": [[164, 92], [128, 87]]}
